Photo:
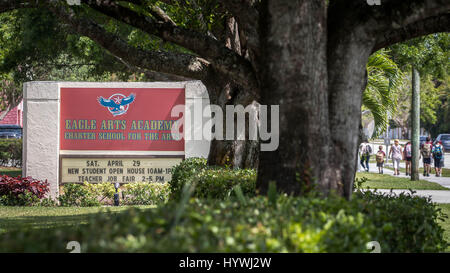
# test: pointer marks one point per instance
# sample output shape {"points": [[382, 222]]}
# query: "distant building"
{"points": [[400, 133], [14, 116]]}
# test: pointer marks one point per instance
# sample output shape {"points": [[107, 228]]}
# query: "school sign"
{"points": [[77, 132]]}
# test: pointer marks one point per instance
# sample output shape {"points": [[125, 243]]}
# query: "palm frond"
{"points": [[384, 82]]}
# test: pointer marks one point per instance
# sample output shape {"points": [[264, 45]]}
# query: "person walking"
{"points": [[407, 155], [438, 152], [365, 151], [380, 159], [396, 155], [426, 150]]}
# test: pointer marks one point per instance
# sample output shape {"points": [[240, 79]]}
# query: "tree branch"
{"points": [[161, 15], [247, 15], [398, 21], [158, 76], [394, 14], [223, 59], [430, 25], [166, 62], [392, 22]]}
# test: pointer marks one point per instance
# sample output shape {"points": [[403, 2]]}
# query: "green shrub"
{"points": [[219, 183], [22, 199], [211, 182], [96, 194], [404, 223], [77, 195], [143, 193], [257, 224], [11, 152], [103, 192], [47, 202], [182, 173]]}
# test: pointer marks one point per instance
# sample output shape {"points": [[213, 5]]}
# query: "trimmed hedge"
{"points": [[404, 222], [143, 193], [11, 152], [81, 195], [182, 173], [401, 223], [18, 191], [210, 182], [97, 194]]}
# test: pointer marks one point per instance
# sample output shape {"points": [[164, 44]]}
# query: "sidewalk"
{"points": [[438, 196]]}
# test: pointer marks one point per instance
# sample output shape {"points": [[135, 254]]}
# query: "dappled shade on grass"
{"points": [[385, 181], [21, 218]]}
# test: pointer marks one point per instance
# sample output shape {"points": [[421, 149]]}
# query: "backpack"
{"points": [[380, 157], [437, 151], [408, 151], [426, 150]]}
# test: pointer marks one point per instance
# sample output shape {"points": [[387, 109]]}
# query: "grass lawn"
{"points": [[445, 171], [49, 217], [385, 181], [446, 224], [10, 171]]}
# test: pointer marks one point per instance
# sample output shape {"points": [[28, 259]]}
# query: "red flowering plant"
{"points": [[21, 190]]}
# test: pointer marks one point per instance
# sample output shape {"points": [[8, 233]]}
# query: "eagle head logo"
{"points": [[117, 104]]}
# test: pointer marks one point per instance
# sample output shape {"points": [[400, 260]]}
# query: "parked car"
{"points": [[10, 131], [445, 138]]}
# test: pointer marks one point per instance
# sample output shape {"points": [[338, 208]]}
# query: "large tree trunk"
{"points": [[233, 153], [319, 90], [352, 44], [294, 77], [237, 154]]}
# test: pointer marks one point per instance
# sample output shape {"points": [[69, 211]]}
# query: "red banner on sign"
{"points": [[125, 119]]}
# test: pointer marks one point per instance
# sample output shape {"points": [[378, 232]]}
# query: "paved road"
{"points": [[438, 196]]}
